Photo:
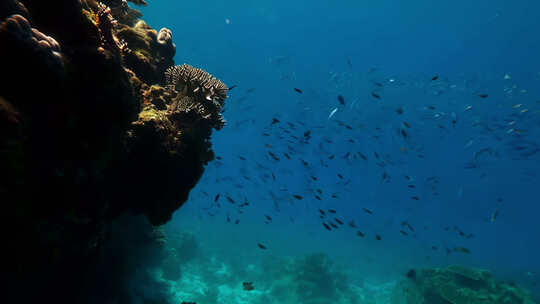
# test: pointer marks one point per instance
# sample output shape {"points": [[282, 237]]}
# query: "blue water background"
{"points": [[275, 46]]}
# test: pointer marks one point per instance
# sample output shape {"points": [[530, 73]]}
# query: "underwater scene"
{"points": [[269, 151]]}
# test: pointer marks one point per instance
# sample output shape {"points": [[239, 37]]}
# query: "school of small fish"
{"points": [[286, 142]]}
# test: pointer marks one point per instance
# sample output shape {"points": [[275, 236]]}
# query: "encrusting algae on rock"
{"points": [[150, 53], [91, 126]]}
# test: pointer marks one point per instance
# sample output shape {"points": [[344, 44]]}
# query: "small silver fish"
{"points": [[332, 113]]}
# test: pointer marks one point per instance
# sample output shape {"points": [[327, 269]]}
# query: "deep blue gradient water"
{"points": [[477, 176]]}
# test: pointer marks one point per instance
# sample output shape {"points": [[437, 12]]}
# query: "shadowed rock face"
{"points": [[87, 133]]}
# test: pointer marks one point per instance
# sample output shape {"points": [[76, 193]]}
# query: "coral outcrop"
{"points": [[311, 279], [195, 91], [457, 285], [90, 130]]}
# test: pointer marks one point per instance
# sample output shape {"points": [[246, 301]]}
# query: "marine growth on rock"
{"points": [[195, 89]]}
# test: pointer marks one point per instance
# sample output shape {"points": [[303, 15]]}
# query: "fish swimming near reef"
{"points": [[366, 210], [248, 286], [411, 274], [494, 216], [462, 250], [332, 113]]}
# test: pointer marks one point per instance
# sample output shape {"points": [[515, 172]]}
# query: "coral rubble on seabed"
{"points": [[88, 133]]}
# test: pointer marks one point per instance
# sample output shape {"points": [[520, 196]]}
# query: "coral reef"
{"points": [[312, 278], [457, 285], [150, 53], [316, 280], [88, 133], [194, 90]]}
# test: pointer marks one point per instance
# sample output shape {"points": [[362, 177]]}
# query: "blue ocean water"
{"points": [[442, 100]]}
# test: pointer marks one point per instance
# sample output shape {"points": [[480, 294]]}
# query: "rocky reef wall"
{"points": [[95, 123]]}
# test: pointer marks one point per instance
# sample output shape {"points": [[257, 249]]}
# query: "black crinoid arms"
{"points": [[196, 92]]}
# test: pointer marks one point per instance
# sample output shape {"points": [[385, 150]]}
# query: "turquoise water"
{"points": [[441, 99]]}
